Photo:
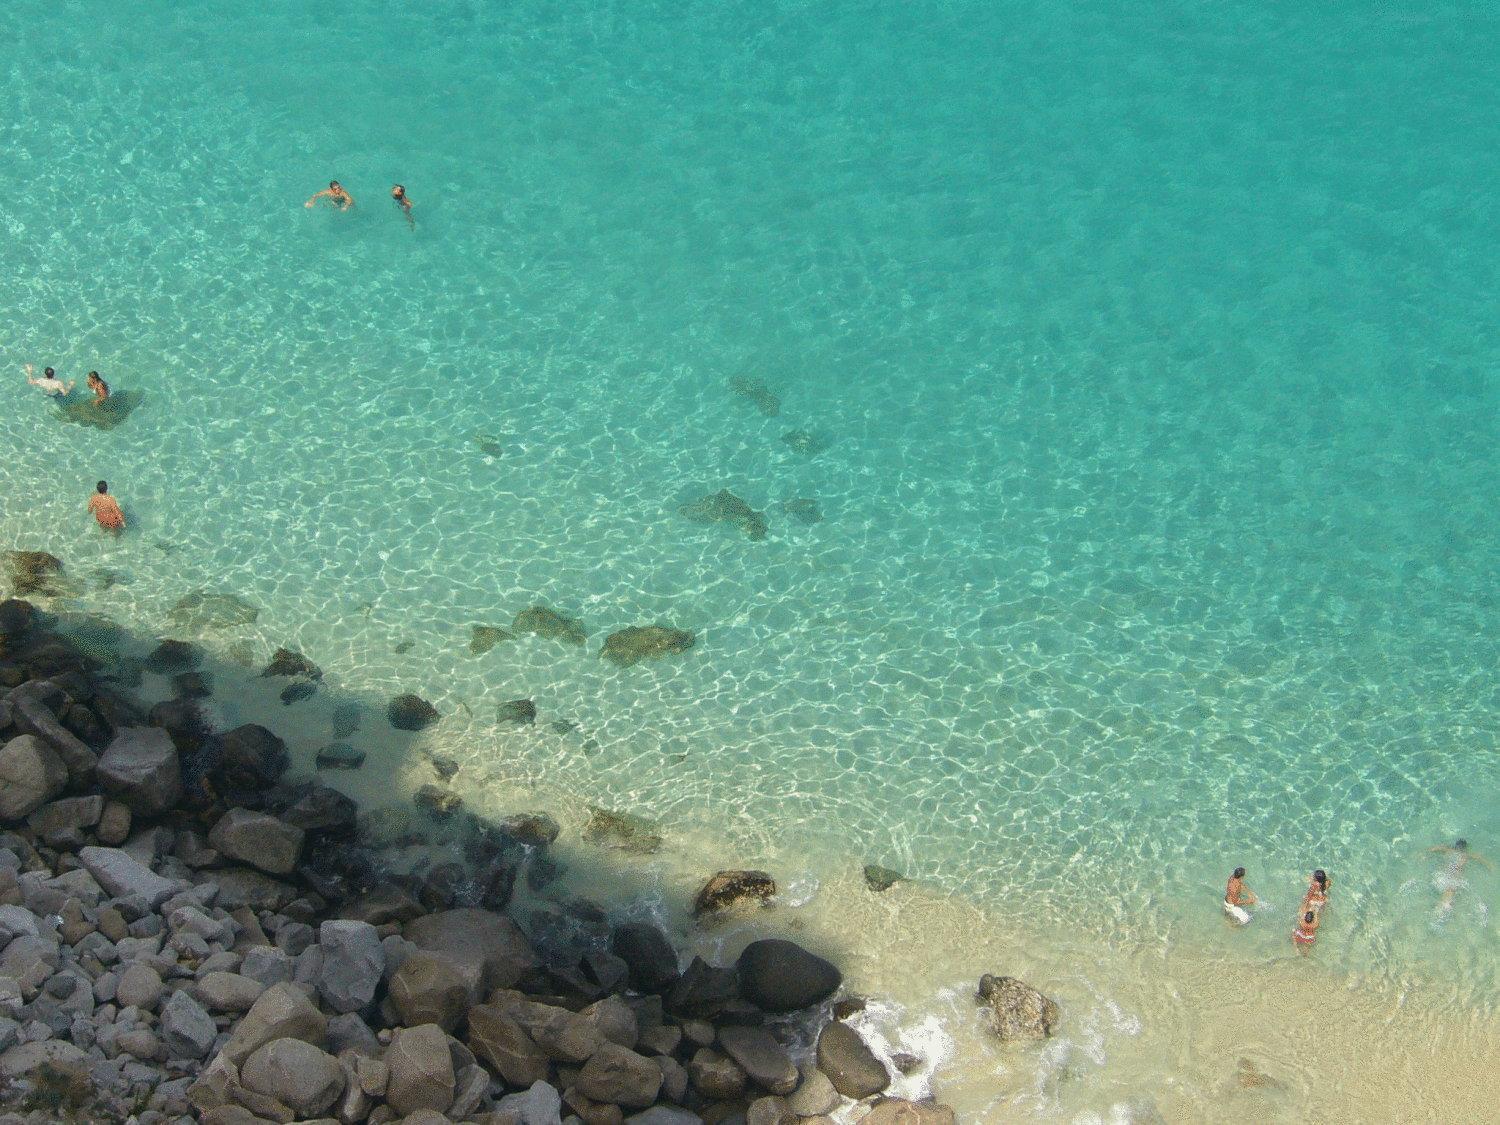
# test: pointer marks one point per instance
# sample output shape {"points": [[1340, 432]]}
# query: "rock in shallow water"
{"points": [[627, 647], [849, 1063], [340, 756], [754, 390], [285, 662], [726, 888], [411, 712], [487, 637], [781, 976], [1016, 1010], [203, 609], [879, 878], [725, 507], [631, 834], [518, 712], [34, 572], [545, 622]]}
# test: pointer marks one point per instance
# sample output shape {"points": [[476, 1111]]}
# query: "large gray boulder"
{"points": [[353, 962], [503, 1045], [228, 992], [421, 1070], [23, 1059], [849, 1063], [141, 769], [761, 1057], [899, 1111], [488, 948], [781, 976], [121, 875], [257, 839], [815, 1094], [282, 1012], [620, 1077], [540, 1104], [295, 1073], [429, 988], [31, 774], [187, 1030], [1015, 1009]]}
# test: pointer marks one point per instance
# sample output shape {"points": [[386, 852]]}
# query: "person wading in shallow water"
{"points": [[1237, 896], [1450, 880], [99, 387], [1306, 931], [398, 193], [335, 194], [49, 382], [105, 509]]}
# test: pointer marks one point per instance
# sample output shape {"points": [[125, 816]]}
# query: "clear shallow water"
{"points": [[1153, 347]]}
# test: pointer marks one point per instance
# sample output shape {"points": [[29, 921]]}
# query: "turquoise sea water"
{"points": [[1153, 347]]}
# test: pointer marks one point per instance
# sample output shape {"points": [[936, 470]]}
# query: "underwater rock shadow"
{"points": [[113, 411]]}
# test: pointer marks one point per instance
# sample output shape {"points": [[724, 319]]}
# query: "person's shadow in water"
{"points": [[106, 415]]}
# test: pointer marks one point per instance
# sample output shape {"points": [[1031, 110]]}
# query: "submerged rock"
{"points": [[489, 444], [285, 662], [411, 712], [340, 756], [345, 719], [805, 442], [803, 510], [879, 878], [764, 399], [545, 622], [173, 656], [519, 712], [624, 831], [438, 800], [487, 637], [34, 572], [297, 692], [202, 609], [726, 888], [725, 507], [645, 642], [193, 685], [1016, 1010]]}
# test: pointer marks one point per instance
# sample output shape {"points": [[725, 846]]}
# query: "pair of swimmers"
{"points": [[52, 385], [1237, 897], [341, 199]]}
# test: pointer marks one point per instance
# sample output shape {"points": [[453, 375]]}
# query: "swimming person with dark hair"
{"points": [[1237, 896], [1450, 879], [106, 510], [99, 387], [398, 193], [1317, 892], [1306, 931], [336, 195], [49, 382]]}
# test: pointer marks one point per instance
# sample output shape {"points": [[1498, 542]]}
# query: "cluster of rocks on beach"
{"points": [[188, 932]]}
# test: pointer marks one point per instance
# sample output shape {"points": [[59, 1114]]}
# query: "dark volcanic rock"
{"points": [[545, 622], [285, 662], [193, 685], [487, 637], [764, 399], [701, 991], [648, 953], [725, 507], [849, 1063], [647, 642], [340, 756], [781, 976], [411, 712], [250, 758], [536, 830], [173, 656], [518, 712], [438, 800], [729, 887], [15, 618], [297, 692], [1016, 1010]]}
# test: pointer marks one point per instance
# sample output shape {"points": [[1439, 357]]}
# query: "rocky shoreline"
{"points": [[190, 932]]}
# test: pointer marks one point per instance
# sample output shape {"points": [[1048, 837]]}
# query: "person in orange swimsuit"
{"points": [[1306, 931], [105, 509], [336, 195]]}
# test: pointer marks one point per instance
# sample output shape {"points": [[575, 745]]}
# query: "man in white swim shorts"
{"points": [[1237, 896]]}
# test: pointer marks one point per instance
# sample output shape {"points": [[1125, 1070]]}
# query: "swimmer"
{"points": [[105, 509], [1237, 896], [99, 387], [1316, 897], [336, 195], [49, 382], [398, 193], [1306, 931], [1451, 880]]}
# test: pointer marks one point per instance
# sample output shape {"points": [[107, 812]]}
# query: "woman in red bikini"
{"points": [[105, 509]]}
